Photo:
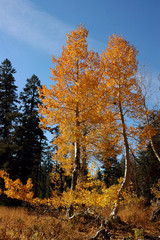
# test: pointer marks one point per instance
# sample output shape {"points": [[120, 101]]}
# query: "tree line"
{"points": [[24, 149]]}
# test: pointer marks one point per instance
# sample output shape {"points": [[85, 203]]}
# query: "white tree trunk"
{"points": [[127, 164]]}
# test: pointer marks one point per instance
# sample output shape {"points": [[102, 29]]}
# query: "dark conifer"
{"points": [[30, 138], [8, 114]]}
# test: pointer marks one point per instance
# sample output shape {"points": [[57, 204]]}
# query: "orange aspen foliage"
{"points": [[92, 193], [72, 101], [15, 189], [120, 65]]}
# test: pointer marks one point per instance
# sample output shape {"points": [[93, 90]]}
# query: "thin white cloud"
{"points": [[23, 21]]}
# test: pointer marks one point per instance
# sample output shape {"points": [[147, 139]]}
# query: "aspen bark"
{"points": [[83, 171], [76, 169], [147, 120], [76, 166], [84, 164], [152, 144], [127, 163]]}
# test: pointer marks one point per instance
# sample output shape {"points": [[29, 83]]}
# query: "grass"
{"points": [[136, 214], [21, 224]]}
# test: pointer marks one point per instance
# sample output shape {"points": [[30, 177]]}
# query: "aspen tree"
{"points": [[72, 101], [120, 65]]}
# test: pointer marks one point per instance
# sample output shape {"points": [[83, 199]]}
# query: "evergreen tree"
{"points": [[30, 138], [44, 178], [8, 114], [148, 168], [112, 170]]}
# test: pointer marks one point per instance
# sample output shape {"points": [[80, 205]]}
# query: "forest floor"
{"points": [[23, 224]]}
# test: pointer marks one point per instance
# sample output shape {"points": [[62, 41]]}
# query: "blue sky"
{"points": [[32, 30]]}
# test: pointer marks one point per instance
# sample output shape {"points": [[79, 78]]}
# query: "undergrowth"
{"points": [[22, 224]]}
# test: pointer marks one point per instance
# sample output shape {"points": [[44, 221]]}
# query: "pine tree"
{"points": [[30, 138], [112, 172], [147, 166], [8, 114]]}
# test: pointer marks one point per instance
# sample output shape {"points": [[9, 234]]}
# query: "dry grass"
{"points": [[136, 214], [19, 224]]}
